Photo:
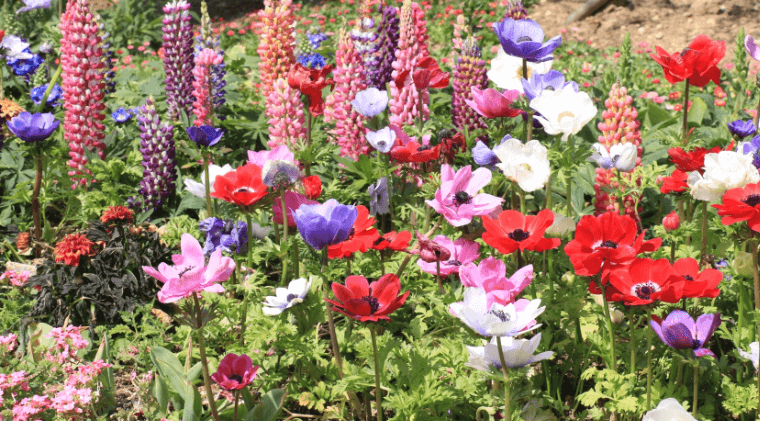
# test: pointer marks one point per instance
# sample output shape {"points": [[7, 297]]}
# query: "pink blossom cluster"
{"points": [[18, 279], [70, 401], [404, 103], [203, 107], [83, 375], [68, 340], [276, 44], [8, 342], [286, 116], [29, 408], [15, 379]]}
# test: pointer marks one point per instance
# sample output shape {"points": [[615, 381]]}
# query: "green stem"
{"points": [[696, 388], [609, 322], [297, 259], [36, 196], [621, 197], [529, 120], [49, 89], [685, 133], [754, 120], [330, 320], [237, 395], [307, 164], [243, 281], [521, 193], [704, 232], [548, 198], [204, 361], [284, 242], [756, 279], [507, 403], [419, 111], [649, 360], [438, 273], [633, 327], [206, 163], [378, 391], [569, 180]]}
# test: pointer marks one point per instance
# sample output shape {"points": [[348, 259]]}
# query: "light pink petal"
{"points": [[446, 242], [492, 268], [192, 251], [447, 173], [215, 288], [479, 179], [470, 275], [435, 204], [462, 179], [484, 204], [466, 251], [155, 273], [522, 278]]}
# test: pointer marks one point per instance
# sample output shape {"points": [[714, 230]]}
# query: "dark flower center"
{"points": [[504, 317], [281, 179], [645, 290], [374, 304], [609, 244], [524, 39], [244, 190], [423, 148], [291, 297], [380, 240], [752, 200], [684, 51], [237, 377], [454, 262], [549, 88], [462, 198], [519, 235], [687, 277]]}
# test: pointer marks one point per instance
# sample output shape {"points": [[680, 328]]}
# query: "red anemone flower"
{"points": [[310, 82], [235, 372], [367, 302], [312, 186], [512, 230], [242, 187], [693, 160], [361, 238], [646, 281], [742, 204], [697, 63], [696, 284], [675, 183], [393, 241], [608, 238], [429, 75], [414, 152]]}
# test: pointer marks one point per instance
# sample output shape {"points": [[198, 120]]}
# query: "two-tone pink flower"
{"points": [[458, 199], [491, 275]]}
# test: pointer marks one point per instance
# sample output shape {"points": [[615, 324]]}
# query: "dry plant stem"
{"points": [[330, 320], [204, 361], [284, 277], [649, 360], [507, 406], [378, 391], [609, 322], [685, 133], [756, 279], [36, 196], [696, 388], [206, 163], [704, 233]]}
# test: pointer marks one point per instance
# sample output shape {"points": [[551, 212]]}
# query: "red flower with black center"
{"points": [[72, 247], [242, 187], [361, 238], [645, 281], [118, 214], [696, 284], [741, 204], [693, 160], [414, 152], [451, 146], [312, 186], [310, 82], [608, 238], [698, 62], [675, 183], [429, 75], [512, 231], [393, 241], [367, 302]]}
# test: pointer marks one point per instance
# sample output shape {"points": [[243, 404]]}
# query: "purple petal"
{"points": [[679, 337], [706, 325]]}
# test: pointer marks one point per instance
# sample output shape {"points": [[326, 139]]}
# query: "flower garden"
{"points": [[365, 210]]}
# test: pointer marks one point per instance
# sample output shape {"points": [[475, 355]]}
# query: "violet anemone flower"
{"points": [[235, 372], [204, 135], [190, 274], [525, 39], [34, 4], [491, 275], [680, 331], [33, 128], [370, 102], [751, 47], [379, 197], [490, 103], [484, 156], [230, 236], [326, 224], [458, 199], [552, 80], [742, 128], [461, 252]]}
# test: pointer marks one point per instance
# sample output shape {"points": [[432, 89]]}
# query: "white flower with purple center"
{"points": [[517, 353], [285, 298], [496, 320]]}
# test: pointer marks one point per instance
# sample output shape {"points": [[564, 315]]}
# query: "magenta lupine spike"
{"points": [[178, 57], [349, 79], [470, 72], [83, 72], [286, 115], [203, 107], [516, 10], [384, 51], [276, 44], [412, 47], [620, 125]]}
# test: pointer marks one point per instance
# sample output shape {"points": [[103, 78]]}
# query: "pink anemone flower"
{"points": [[490, 103], [279, 153], [458, 200], [190, 273], [490, 274], [293, 201], [235, 372], [463, 251]]}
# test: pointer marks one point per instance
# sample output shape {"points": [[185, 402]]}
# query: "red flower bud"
{"points": [[671, 221], [312, 186]]}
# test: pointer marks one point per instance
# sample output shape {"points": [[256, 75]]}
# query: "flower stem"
{"points": [[548, 198], [419, 113], [696, 388], [284, 277], [649, 360], [756, 278], [36, 197], [609, 323], [438, 273], [204, 361], [754, 120], [685, 134], [569, 180], [206, 163], [521, 193], [378, 391], [330, 321], [296, 258], [704, 232], [507, 403], [621, 198], [633, 327], [243, 278], [307, 164], [237, 395]]}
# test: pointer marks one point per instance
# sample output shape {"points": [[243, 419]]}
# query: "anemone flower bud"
{"points": [[490, 103], [671, 221]]}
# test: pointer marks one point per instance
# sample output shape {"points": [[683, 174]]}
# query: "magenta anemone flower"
{"points": [[235, 372], [462, 251], [490, 103], [293, 201], [458, 200], [490, 274], [190, 273], [680, 331]]}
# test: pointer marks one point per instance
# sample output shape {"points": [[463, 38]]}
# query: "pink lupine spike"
{"points": [[619, 126], [286, 123], [412, 47], [203, 107], [277, 43]]}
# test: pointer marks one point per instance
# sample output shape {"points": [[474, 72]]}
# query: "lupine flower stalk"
{"points": [[385, 48], [412, 47], [82, 66], [109, 56], [207, 39], [460, 33], [470, 72], [620, 125], [516, 10], [203, 107], [286, 123], [277, 43], [157, 148], [178, 57], [364, 36], [349, 79]]}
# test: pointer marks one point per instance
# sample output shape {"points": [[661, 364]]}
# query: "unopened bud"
{"points": [[671, 221]]}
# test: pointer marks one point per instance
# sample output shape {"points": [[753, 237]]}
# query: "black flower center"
{"points": [[684, 51], [291, 297], [504, 317], [645, 290], [237, 377], [374, 304], [422, 148], [687, 277], [752, 200], [609, 244], [380, 240], [281, 179], [524, 39], [519, 235], [462, 198], [244, 190], [454, 262], [549, 88]]}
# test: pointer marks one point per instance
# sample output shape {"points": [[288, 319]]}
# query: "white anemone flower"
{"points": [[287, 297], [621, 156], [14, 47], [724, 171], [199, 189], [498, 320], [668, 410], [517, 353], [506, 70], [382, 140], [563, 111], [753, 354], [527, 165]]}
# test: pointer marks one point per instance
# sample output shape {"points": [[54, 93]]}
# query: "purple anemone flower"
{"points": [[525, 39], [204, 135], [230, 236], [552, 80], [325, 224], [484, 156], [33, 127], [742, 128], [680, 331]]}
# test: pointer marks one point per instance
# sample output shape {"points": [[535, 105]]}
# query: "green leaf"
{"points": [[170, 368], [655, 115], [697, 112], [268, 408], [194, 373], [247, 398], [161, 392]]}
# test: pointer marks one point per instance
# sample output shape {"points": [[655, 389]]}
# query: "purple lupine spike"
{"points": [[159, 161], [364, 36], [178, 57], [470, 72], [385, 47]]}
